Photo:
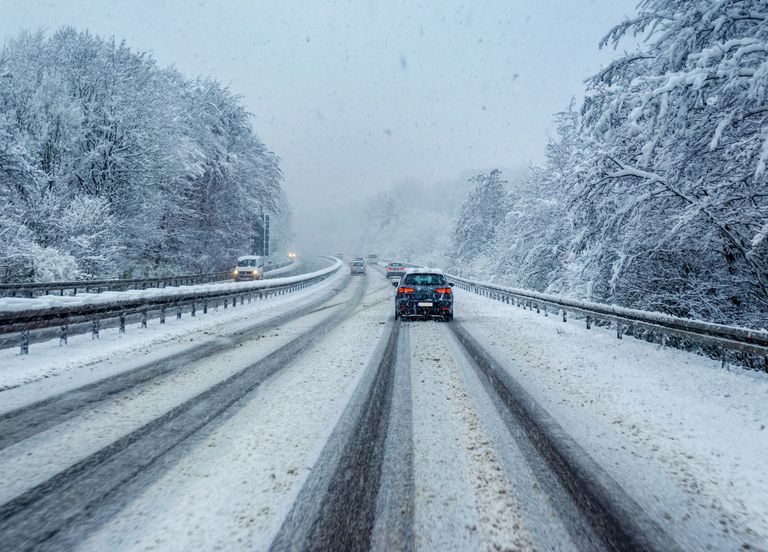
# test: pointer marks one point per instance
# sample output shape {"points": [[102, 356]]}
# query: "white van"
{"points": [[249, 267]]}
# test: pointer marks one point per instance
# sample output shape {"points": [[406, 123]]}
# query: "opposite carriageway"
{"points": [[72, 287], [70, 315]]}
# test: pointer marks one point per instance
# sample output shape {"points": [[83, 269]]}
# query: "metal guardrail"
{"points": [[32, 289], [24, 321], [98, 286], [725, 338]]}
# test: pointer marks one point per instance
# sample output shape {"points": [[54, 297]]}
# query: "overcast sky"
{"points": [[355, 96]]}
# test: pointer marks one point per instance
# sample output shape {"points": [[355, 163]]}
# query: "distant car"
{"points": [[340, 256], [373, 258], [249, 267], [357, 267], [424, 292], [395, 270]]}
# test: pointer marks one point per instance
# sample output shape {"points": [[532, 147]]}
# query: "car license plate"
{"points": [[425, 303]]}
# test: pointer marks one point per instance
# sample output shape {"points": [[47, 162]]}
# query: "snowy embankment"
{"points": [[685, 437], [82, 360], [16, 304]]}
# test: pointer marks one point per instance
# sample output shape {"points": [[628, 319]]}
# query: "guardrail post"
{"points": [[63, 331], [618, 330], [565, 316], [538, 310], [242, 300], [724, 355], [162, 315], [193, 310], [205, 306], [178, 313], [663, 341], [545, 311], [122, 322], [144, 319], [95, 326], [226, 302], [589, 322], [25, 342]]}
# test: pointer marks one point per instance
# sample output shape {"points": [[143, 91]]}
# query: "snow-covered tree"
{"points": [[481, 214], [655, 193], [679, 179], [121, 167]]}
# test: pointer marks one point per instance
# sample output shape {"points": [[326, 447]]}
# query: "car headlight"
{"points": [[255, 272], [235, 273]]}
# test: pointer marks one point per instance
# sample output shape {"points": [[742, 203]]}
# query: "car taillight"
{"points": [[443, 290], [389, 268], [405, 290]]}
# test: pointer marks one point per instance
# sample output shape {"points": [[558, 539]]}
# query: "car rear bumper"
{"points": [[413, 308]]}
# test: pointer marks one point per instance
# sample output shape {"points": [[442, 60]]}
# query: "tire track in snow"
{"points": [[360, 493], [611, 520]]}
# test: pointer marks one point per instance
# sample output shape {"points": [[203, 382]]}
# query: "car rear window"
{"points": [[425, 279]]}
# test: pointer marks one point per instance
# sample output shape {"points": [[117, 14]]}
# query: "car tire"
{"points": [[449, 317], [397, 314]]}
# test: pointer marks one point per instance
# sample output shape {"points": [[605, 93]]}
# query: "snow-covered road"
{"points": [[315, 421]]}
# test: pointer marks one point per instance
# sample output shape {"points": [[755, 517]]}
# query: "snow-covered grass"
{"points": [[14, 304], [55, 368], [686, 438]]}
